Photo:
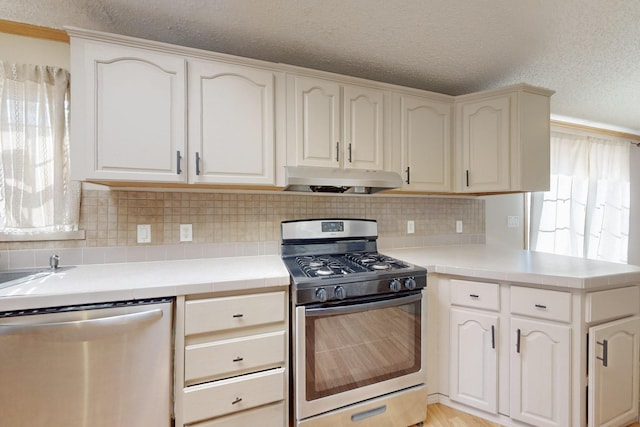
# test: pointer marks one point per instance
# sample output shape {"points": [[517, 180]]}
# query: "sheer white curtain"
{"points": [[36, 193], [586, 211]]}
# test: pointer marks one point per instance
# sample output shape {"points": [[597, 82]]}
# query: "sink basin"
{"points": [[15, 277]]}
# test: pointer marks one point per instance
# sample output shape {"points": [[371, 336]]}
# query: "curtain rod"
{"points": [[28, 30], [633, 139]]}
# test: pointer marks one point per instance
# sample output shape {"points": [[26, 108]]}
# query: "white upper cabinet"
{"points": [[334, 125], [128, 113], [231, 124], [363, 127], [422, 129], [502, 140]]}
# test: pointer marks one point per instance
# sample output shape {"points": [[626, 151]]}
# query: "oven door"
{"points": [[354, 351]]}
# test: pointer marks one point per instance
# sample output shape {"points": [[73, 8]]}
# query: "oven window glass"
{"points": [[348, 351]]}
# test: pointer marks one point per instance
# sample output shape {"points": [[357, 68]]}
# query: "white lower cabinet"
{"points": [[473, 378], [540, 377], [613, 373], [231, 360], [525, 355]]}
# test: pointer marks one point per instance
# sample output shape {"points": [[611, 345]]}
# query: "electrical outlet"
{"points": [[144, 233], [458, 226], [186, 232], [513, 221], [411, 227]]}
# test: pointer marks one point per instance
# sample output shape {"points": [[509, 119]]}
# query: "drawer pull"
{"points": [[605, 352], [238, 359], [544, 307], [237, 400], [237, 316], [518, 342], [474, 296]]}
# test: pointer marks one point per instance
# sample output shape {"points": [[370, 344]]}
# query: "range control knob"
{"points": [[395, 285], [321, 294], [340, 292], [410, 283]]}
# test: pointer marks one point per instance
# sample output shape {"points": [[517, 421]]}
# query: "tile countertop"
{"points": [[504, 264], [117, 282]]}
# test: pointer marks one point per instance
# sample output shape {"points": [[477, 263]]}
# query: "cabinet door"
{"points": [[425, 135], [613, 373], [231, 124], [473, 369], [484, 145], [363, 128], [314, 128], [129, 114], [540, 373]]}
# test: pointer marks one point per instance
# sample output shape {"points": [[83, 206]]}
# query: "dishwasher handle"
{"points": [[84, 330]]}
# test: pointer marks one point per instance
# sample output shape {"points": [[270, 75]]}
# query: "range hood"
{"points": [[334, 180]]}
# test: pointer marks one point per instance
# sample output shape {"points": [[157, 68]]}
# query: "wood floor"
{"points": [[443, 416]]}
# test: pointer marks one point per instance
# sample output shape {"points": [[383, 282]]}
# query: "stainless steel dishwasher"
{"points": [[98, 365]]}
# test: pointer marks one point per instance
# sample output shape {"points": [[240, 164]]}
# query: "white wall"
{"points": [[634, 213], [28, 50], [497, 209]]}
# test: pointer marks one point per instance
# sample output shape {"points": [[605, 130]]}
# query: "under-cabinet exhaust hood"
{"points": [[333, 180]]}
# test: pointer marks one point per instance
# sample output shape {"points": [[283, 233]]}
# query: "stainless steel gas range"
{"points": [[358, 331]]}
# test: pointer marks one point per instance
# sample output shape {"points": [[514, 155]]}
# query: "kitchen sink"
{"points": [[15, 277]]}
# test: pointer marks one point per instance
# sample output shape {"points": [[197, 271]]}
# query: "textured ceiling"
{"points": [[588, 51]]}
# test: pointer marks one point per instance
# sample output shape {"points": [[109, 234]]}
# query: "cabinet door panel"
{"points": [[231, 124], [474, 362], [316, 115], [363, 127], [132, 124], [486, 145], [425, 134], [614, 388], [540, 373]]}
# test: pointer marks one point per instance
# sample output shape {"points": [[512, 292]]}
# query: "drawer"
{"points": [[219, 314], [266, 416], [482, 295], [541, 303], [213, 360], [205, 401], [614, 303]]}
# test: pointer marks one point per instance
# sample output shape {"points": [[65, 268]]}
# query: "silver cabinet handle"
{"points": [[605, 352], [197, 163], [337, 151], [83, 329], [178, 159], [493, 336]]}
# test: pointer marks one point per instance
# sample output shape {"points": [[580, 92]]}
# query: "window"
{"points": [[38, 201], [586, 211]]}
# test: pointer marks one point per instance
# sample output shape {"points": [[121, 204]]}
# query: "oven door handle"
{"points": [[357, 308]]}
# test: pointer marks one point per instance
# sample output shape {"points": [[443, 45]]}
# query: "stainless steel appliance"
{"points": [[359, 335], [98, 365]]}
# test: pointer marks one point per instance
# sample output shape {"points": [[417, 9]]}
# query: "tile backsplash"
{"points": [[233, 223]]}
